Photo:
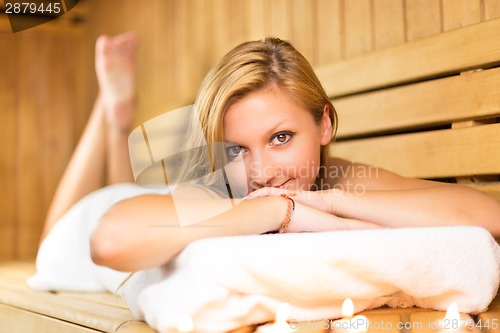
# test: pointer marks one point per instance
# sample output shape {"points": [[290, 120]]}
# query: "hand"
{"points": [[320, 200]]}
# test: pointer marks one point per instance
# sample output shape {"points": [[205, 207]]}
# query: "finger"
{"points": [[266, 191]]}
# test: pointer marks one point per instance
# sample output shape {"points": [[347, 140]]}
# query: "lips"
{"points": [[284, 184]]}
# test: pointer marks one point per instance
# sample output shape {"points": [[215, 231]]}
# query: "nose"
{"points": [[261, 170]]}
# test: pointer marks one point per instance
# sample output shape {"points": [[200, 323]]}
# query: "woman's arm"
{"points": [[144, 231], [388, 199], [374, 195], [440, 205]]}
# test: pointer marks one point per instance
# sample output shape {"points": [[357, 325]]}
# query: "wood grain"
{"points": [[432, 154], [358, 27], [388, 23], [8, 136], [329, 31], [479, 45], [423, 18], [460, 13], [430, 103]]}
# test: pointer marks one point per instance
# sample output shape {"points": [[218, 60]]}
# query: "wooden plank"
{"points": [[491, 9], [479, 45], [157, 43], [18, 320], [236, 22], [328, 32], [78, 311], [388, 25], [182, 26], [280, 19], [429, 103], [33, 57], [428, 322], [490, 188], [60, 85], [357, 27], [4, 24], [423, 18], [433, 154], [257, 19], [220, 28], [135, 327], [8, 120], [489, 322], [303, 19], [460, 13], [99, 311]]}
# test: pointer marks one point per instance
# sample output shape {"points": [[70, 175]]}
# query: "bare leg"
{"points": [[102, 153], [116, 75]]}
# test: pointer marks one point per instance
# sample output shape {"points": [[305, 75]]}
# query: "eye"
{"points": [[234, 151], [281, 138]]}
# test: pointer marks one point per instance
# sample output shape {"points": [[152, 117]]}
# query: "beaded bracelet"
{"points": [[289, 211]]}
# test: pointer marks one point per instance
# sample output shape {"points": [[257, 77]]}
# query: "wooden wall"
{"points": [[47, 81]]}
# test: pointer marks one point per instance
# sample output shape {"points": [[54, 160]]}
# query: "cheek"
{"points": [[301, 162], [236, 173]]}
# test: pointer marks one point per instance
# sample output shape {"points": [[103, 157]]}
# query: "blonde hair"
{"points": [[250, 67]]}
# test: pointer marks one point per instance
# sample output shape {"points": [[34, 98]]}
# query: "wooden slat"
{"points": [[303, 21], [451, 52], [329, 31], [280, 19], [427, 322], [78, 311], [492, 188], [33, 59], [433, 154], [4, 24], [423, 18], [489, 322], [8, 107], [460, 13], [388, 25], [18, 320], [257, 19], [181, 27], [491, 9], [429, 103], [357, 27]]}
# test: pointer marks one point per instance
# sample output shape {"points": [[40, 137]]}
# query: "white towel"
{"points": [[225, 283], [63, 261]]}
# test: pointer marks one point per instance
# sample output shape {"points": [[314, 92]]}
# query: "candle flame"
{"points": [[347, 308], [283, 312], [185, 324], [452, 312]]}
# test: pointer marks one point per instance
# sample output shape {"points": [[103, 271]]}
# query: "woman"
{"points": [[267, 123]]}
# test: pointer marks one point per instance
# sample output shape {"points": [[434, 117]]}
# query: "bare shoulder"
{"points": [[347, 175]]}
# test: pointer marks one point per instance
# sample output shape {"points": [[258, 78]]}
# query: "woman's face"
{"points": [[273, 141]]}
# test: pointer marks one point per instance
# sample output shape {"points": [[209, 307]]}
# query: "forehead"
{"points": [[262, 110]]}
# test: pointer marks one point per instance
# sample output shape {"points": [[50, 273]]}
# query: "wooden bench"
{"points": [[428, 108]]}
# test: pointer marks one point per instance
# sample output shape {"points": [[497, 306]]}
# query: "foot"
{"points": [[115, 68]]}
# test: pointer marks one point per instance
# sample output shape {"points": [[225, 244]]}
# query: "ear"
{"points": [[326, 126]]}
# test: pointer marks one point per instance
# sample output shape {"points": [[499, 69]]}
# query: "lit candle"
{"points": [[452, 322], [348, 323], [280, 325], [185, 324]]}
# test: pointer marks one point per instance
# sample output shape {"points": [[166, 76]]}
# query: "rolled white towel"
{"points": [[225, 283]]}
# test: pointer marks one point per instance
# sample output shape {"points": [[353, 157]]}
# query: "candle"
{"points": [[452, 322], [348, 323], [280, 324], [185, 324]]}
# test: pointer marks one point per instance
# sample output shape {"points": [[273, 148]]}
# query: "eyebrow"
{"points": [[268, 133]]}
